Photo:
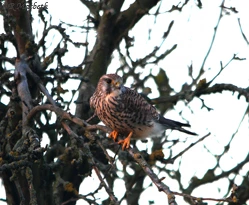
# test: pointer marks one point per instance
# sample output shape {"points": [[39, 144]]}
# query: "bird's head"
{"points": [[111, 84]]}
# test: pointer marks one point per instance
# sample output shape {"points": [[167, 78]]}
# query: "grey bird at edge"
{"points": [[126, 112]]}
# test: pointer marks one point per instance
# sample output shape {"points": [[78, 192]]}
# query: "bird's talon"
{"points": [[126, 142], [113, 135]]}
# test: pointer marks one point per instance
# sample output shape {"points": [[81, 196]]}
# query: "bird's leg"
{"points": [[113, 135], [126, 142]]}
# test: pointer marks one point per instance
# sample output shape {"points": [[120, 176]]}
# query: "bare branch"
{"points": [[161, 186], [108, 190], [243, 34], [211, 45], [191, 145]]}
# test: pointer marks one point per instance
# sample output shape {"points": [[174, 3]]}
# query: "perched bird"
{"points": [[127, 112]]}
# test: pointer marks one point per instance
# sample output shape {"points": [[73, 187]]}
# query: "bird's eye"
{"points": [[108, 80]]}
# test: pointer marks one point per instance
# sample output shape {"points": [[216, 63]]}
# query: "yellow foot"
{"points": [[113, 135], [126, 142]]}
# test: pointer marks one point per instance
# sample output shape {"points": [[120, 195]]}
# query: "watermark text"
{"points": [[35, 5]]}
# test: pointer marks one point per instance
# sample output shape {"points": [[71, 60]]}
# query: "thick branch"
{"points": [[21, 24]]}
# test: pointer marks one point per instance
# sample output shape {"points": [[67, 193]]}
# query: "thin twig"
{"points": [[211, 45], [191, 145], [202, 199], [107, 188], [243, 34]]}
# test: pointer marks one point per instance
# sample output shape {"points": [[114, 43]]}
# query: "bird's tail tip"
{"points": [[175, 125], [186, 131]]}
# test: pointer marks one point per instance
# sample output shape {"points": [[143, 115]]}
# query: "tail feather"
{"points": [[185, 131], [174, 125]]}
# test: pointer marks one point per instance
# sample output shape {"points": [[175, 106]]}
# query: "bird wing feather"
{"points": [[132, 102], [137, 104]]}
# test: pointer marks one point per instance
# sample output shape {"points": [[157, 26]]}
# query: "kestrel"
{"points": [[127, 112]]}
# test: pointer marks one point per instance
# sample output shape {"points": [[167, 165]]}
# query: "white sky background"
{"points": [[192, 32]]}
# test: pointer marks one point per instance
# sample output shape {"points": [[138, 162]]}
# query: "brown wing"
{"points": [[144, 113], [136, 108]]}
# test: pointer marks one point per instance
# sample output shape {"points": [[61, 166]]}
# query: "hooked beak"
{"points": [[116, 84]]}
